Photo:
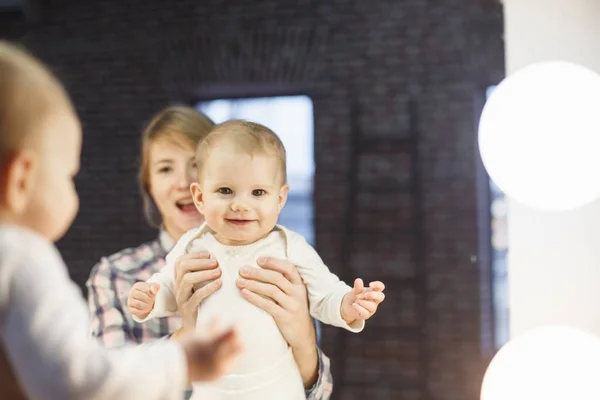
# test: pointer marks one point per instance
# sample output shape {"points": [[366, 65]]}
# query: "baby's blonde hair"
{"points": [[247, 137], [28, 93]]}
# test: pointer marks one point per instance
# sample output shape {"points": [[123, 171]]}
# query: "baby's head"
{"points": [[40, 145], [241, 186]]}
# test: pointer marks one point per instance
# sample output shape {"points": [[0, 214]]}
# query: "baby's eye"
{"points": [[258, 192], [224, 190]]}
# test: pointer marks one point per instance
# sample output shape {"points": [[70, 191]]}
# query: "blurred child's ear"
{"points": [[17, 181], [283, 195], [197, 196]]}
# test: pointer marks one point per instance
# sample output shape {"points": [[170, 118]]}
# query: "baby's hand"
{"points": [[209, 358], [141, 298], [362, 302]]}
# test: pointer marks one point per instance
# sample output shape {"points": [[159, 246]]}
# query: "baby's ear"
{"points": [[17, 180], [197, 196], [283, 194]]}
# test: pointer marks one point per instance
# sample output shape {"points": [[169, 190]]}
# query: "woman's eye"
{"points": [[165, 170]]}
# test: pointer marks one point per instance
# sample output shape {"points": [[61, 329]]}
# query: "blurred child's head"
{"points": [[241, 186], [40, 146]]}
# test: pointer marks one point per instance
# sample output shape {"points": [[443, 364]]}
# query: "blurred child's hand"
{"points": [[362, 302], [141, 298], [209, 358]]}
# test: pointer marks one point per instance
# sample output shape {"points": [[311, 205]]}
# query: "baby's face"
{"points": [[55, 203], [240, 195]]}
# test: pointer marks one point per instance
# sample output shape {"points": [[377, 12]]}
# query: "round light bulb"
{"points": [[549, 363], [539, 136]]}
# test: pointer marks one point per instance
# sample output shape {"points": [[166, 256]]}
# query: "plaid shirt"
{"points": [[108, 288]]}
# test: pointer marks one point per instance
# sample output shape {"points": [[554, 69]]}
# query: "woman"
{"points": [[167, 169]]}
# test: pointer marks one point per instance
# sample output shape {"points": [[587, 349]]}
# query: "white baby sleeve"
{"points": [[165, 303], [325, 289]]}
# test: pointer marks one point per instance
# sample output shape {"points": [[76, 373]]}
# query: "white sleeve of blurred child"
{"points": [[44, 328]]}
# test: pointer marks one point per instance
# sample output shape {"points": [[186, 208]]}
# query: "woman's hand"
{"points": [[197, 276], [277, 288]]}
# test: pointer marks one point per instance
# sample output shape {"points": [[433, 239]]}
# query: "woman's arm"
{"points": [[323, 387], [278, 289], [108, 320], [192, 269]]}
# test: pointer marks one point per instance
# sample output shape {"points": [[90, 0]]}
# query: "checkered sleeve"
{"points": [[324, 387], [108, 314]]}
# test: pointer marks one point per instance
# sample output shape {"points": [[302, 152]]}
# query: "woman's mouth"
{"points": [[187, 207]]}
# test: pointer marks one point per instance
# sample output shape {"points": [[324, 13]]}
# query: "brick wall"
{"points": [[124, 60]]}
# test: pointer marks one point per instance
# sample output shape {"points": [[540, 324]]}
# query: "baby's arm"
{"points": [[155, 298], [325, 290], [361, 302]]}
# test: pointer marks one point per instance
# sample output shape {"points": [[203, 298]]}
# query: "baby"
{"points": [[241, 190], [43, 318]]}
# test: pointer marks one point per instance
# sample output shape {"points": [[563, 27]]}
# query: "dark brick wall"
{"points": [[124, 60]]}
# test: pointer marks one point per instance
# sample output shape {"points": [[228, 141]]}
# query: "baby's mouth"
{"points": [[239, 221]]}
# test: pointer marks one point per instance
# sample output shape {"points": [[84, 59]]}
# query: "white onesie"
{"points": [[266, 369]]}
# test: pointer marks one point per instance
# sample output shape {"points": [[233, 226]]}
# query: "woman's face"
{"points": [[172, 171]]}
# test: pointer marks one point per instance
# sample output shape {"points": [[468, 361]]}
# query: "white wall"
{"points": [[554, 258]]}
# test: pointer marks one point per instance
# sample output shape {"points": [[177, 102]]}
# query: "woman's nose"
{"points": [[192, 176], [183, 180]]}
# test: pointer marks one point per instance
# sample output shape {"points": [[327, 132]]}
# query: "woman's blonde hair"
{"points": [[181, 124]]}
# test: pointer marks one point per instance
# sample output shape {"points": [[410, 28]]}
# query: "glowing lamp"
{"points": [[539, 136], [550, 363]]}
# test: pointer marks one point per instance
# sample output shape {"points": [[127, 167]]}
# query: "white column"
{"points": [[554, 258]]}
